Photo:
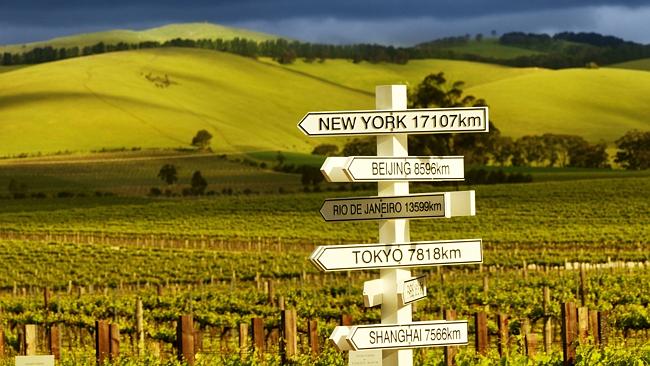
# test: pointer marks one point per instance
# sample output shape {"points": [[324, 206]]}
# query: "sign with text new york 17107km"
{"points": [[393, 168], [376, 256], [410, 335], [381, 122]]}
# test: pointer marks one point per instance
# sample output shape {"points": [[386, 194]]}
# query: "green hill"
{"points": [[161, 98], [597, 104], [159, 34], [643, 65], [487, 47]]}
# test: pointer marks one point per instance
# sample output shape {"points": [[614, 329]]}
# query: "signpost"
{"points": [[396, 289], [391, 168], [352, 257], [406, 121]]}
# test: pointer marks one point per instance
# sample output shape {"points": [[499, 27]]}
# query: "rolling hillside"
{"points": [[159, 34], [643, 65], [160, 98], [597, 104]]}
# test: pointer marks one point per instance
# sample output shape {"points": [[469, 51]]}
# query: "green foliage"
{"points": [[325, 150], [634, 149], [202, 139], [198, 183], [168, 174]]}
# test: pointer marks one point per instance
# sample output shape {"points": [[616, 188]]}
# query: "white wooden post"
{"points": [[393, 231]]}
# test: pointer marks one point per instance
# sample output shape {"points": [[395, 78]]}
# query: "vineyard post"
{"points": [[393, 231], [312, 333], [548, 330], [289, 337], [531, 345], [54, 342], [583, 290], [346, 319], [258, 335], [185, 339], [569, 332], [583, 324], [2, 342], [102, 341], [481, 333], [449, 351], [502, 323], [593, 326], [243, 340], [114, 343], [603, 328], [139, 325]]}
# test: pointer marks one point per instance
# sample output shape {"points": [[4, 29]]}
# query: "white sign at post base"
{"points": [[383, 122], [393, 168], [411, 335], [415, 254]]}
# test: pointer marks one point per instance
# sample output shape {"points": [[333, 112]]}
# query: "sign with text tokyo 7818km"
{"points": [[376, 256], [382, 122]]}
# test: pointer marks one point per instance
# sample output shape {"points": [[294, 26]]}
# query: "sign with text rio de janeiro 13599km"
{"points": [[411, 121]]}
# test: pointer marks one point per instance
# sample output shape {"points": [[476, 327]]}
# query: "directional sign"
{"points": [[411, 335], [381, 122], [373, 256], [415, 206], [412, 290], [339, 337], [393, 168], [373, 292]]}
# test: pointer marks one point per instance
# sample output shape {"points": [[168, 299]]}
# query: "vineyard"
{"points": [[227, 260]]}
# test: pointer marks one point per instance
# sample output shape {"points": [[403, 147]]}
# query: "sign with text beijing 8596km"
{"points": [[375, 256], [411, 121], [411, 335], [393, 168]]}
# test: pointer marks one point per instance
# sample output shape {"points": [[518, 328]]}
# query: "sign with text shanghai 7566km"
{"points": [[381, 122], [375, 256], [410, 335]]}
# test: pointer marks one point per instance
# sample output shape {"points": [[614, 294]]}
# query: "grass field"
{"points": [[136, 173], [159, 34], [643, 65]]}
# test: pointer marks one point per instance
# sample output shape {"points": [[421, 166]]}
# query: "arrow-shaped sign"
{"points": [[339, 337], [382, 122], [411, 335], [393, 168], [415, 206], [412, 290], [416, 254]]}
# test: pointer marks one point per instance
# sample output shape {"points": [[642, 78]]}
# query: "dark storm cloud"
{"points": [[26, 20]]}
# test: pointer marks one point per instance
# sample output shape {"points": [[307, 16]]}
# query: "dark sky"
{"points": [[402, 22]]}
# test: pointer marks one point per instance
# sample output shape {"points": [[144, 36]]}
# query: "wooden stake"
{"points": [[482, 339], [312, 334], [185, 339], [502, 322], [450, 352], [243, 340], [531, 345], [102, 343], [569, 333], [54, 342], [114, 345], [289, 336], [548, 330], [258, 335], [583, 324]]}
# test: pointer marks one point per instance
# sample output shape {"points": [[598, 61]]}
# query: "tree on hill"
{"points": [[168, 174], [198, 183], [634, 149], [202, 139], [325, 150]]}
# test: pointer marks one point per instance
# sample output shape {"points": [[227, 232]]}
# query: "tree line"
{"points": [[562, 50]]}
